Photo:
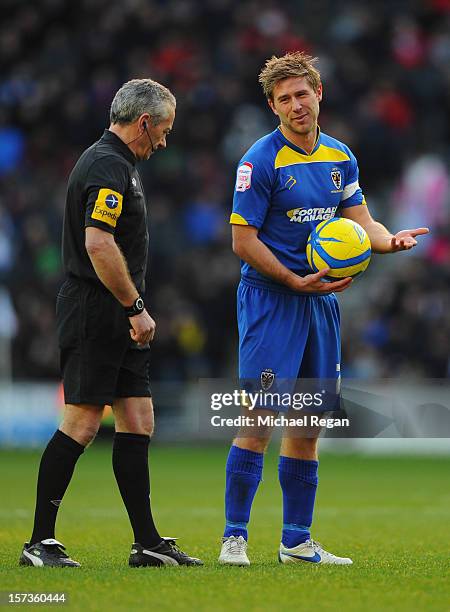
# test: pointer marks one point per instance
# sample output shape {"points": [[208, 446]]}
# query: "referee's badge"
{"points": [[108, 206], [267, 379], [336, 177]]}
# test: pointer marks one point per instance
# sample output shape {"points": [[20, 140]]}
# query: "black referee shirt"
{"points": [[105, 191]]}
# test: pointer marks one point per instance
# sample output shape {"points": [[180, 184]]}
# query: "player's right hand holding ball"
{"points": [[313, 283]]}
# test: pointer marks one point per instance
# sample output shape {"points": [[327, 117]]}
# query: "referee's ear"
{"points": [[144, 122]]}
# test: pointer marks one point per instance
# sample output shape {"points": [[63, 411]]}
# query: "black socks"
{"points": [[55, 471], [130, 464]]}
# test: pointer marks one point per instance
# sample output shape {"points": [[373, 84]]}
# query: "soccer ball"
{"points": [[341, 245]]}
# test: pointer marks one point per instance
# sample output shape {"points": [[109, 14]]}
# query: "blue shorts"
{"points": [[285, 337]]}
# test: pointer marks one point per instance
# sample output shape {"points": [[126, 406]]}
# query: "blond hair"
{"points": [[294, 64]]}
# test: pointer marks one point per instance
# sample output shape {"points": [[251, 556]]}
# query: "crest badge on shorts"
{"points": [[336, 177], [267, 379]]}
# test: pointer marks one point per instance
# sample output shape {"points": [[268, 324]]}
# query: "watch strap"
{"points": [[136, 308]]}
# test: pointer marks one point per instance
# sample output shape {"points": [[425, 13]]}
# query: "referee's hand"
{"points": [[142, 328], [313, 283]]}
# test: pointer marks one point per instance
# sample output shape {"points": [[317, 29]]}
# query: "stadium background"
{"points": [[385, 68], [386, 72]]}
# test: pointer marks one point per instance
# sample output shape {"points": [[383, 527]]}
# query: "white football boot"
{"points": [[234, 551], [311, 552]]}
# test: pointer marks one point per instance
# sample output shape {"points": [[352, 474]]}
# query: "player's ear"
{"points": [[320, 92], [272, 105]]}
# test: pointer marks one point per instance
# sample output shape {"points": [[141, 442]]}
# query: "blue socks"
{"points": [[244, 471], [298, 480]]}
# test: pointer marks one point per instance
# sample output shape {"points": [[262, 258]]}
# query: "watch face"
{"points": [[139, 304]]}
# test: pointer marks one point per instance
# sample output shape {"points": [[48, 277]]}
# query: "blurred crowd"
{"points": [[386, 72]]}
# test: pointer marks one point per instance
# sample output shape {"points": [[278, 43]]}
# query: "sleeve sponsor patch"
{"points": [[108, 206], [244, 176]]}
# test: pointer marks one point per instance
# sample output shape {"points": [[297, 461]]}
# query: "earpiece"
{"points": [[144, 125]]}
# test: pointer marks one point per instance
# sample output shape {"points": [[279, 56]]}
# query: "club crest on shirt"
{"points": [[267, 379], [336, 177], [244, 176]]}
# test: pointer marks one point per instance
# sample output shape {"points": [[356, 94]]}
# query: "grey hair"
{"points": [[141, 96]]}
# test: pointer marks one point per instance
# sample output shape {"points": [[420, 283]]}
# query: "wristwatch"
{"points": [[136, 308]]}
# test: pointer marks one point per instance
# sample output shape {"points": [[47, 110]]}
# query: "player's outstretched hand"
{"points": [[406, 239], [313, 283], [142, 328]]}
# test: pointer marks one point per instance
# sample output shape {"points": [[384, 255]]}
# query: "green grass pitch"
{"points": [[391, 515]]}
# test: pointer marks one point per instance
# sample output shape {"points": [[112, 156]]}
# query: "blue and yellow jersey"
{"points": [[285, 193]]}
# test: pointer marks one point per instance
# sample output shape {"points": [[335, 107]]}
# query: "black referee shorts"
{"points": [[99, 361]]}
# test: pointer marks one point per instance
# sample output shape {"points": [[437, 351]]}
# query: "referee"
{"points": [[104, 328]]}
